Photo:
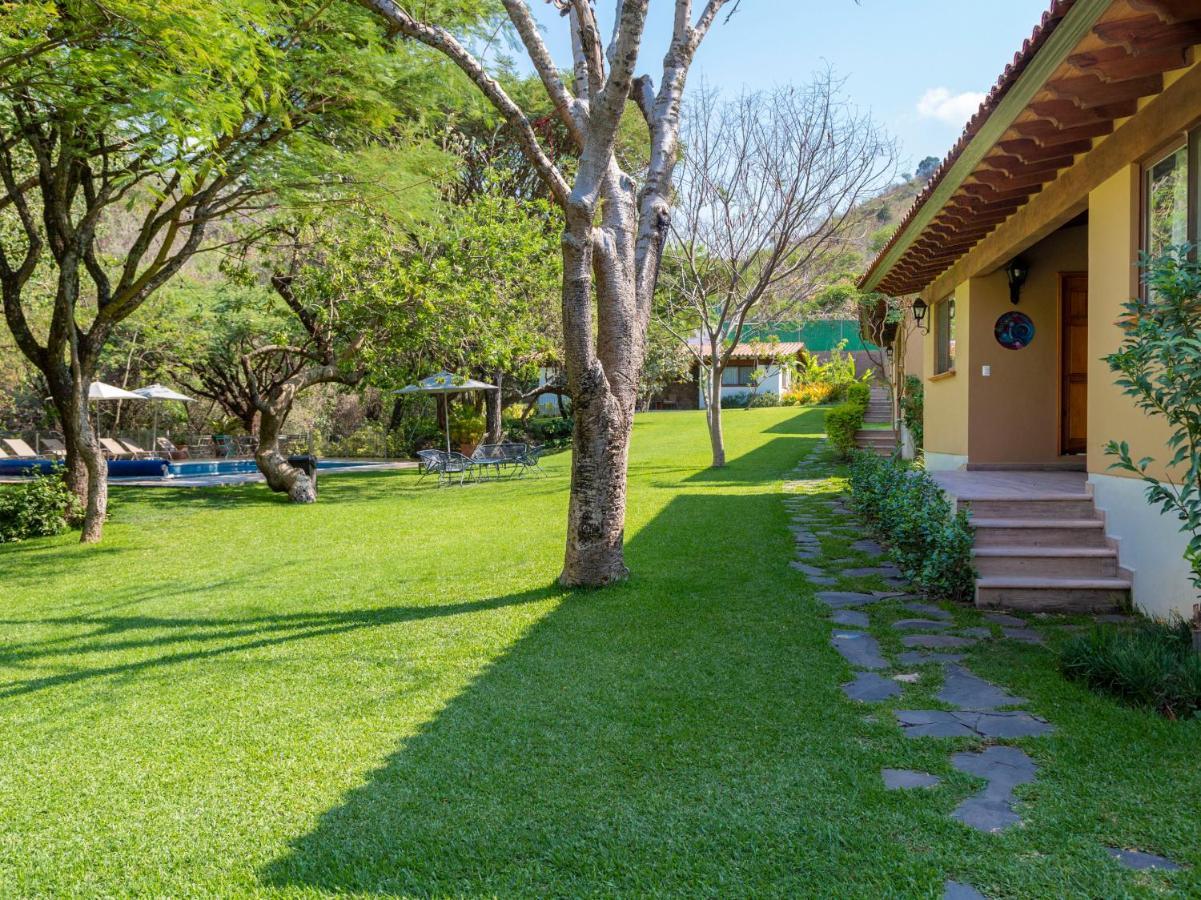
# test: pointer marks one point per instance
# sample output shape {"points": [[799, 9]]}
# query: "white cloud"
{"points": [[954, 109]]}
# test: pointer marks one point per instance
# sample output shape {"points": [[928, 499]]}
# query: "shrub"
{"points": [[1159, 366], [844, 421], [551, 431], [765, 400], [1152, 665], [859, 392], [812, 394], [913, 405], [40, 507], [735, 401], [466, 426], [842, 424], [929, 541]]}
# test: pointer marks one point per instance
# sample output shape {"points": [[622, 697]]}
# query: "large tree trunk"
{"points": [[282, 477], [87, 469], [494, 411], [713, 416]]}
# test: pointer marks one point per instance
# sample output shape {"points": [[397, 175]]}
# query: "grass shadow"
{"points": [[216, 637], [642, 738]]}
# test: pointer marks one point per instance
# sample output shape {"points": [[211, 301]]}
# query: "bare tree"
{"points": [[613, 236], [769, 191]]}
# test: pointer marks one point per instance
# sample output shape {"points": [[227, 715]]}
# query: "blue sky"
{"points": [[920, 66]]}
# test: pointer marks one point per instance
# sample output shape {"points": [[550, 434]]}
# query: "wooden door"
{"points": [[1073, 367]]}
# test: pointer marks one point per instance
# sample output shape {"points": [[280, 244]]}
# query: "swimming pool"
{"points": [[161, 468]]}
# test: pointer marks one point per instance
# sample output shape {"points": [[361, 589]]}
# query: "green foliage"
{"points": [[929, 541], [859, 393], [736, 400], [842, 423], [466, 426], [765, 400], [39, 507], [550, 431], [818, 382], [1152, 665], [1159, 366], [913, 404]]}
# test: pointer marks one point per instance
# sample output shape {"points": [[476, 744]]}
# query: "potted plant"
{"points": [[466, 429]]}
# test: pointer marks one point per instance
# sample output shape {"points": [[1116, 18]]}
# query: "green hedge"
{"points": [[40, 507], [844, 421], [908, 511]]}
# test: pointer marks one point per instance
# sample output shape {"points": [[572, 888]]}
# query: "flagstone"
{"points": [[861, 650]]}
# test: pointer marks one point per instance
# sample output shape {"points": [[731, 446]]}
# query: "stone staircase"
{"points": [[879, 407], [1045, 552], [879, 441], [879, 411]]}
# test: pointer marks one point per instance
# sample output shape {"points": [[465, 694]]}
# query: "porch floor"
{"points": [[1011, 485]]}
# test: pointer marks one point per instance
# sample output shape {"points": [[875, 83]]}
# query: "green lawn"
{"points": [[385, 693]]}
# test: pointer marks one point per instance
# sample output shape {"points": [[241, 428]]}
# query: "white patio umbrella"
{"points": [[98, 390], [444, 383], [101, 391], [159, 392]]}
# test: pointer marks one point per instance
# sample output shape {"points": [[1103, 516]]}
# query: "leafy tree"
{"points": [[190, 115], [614, 227], [1159, 366], [927, 167]]}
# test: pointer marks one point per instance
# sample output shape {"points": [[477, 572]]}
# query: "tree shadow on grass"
{"points": [[208, 638], [763, 465], [643, 739]]}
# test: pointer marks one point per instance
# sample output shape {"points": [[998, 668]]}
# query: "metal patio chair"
{"points": [[446, 466]]}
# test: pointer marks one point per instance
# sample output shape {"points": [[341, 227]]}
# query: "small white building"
{"points": [[769, 360]]}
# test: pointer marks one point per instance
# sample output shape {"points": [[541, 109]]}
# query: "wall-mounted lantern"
{"points": [[920, 308], [1017, 272]]}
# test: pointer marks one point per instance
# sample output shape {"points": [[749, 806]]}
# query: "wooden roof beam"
{"points": [[1031, 151], [1147, 32], [1118, 64], [1093, 90], [1069, 114], [1167, 11]]}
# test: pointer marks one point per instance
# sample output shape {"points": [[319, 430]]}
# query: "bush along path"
{"points": [[923, 655]]}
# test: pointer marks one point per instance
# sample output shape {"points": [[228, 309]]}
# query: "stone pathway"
{"points": [[978, 709], [906, 779], [1004, 768]]}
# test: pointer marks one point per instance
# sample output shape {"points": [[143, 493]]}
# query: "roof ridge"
{"points": [[1046, 27]]}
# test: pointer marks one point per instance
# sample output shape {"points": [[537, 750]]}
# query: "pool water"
{"points": [[161, 468], [191, 468]]}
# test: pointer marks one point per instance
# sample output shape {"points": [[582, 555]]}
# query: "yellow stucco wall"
{"points": [[1114, 240], [1015, 410], [946, 420]]}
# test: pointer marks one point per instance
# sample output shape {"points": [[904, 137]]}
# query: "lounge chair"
{"points": [[113, 450], [55, 447], [172, 452], [21, 449], [138, 452]]}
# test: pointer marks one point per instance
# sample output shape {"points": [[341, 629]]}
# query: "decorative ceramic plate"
{"points": [[1014, 331]]}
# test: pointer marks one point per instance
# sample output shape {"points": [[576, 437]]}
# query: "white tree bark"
{"points": [[613, 236]]}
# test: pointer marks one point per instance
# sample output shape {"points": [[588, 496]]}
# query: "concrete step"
{"points": [[1039, 533], [1046, 562], [1061, 595], [876, 435], [1035, 506]]}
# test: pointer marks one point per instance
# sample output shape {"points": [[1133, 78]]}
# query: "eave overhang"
{"points": [[1087, 66]]}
